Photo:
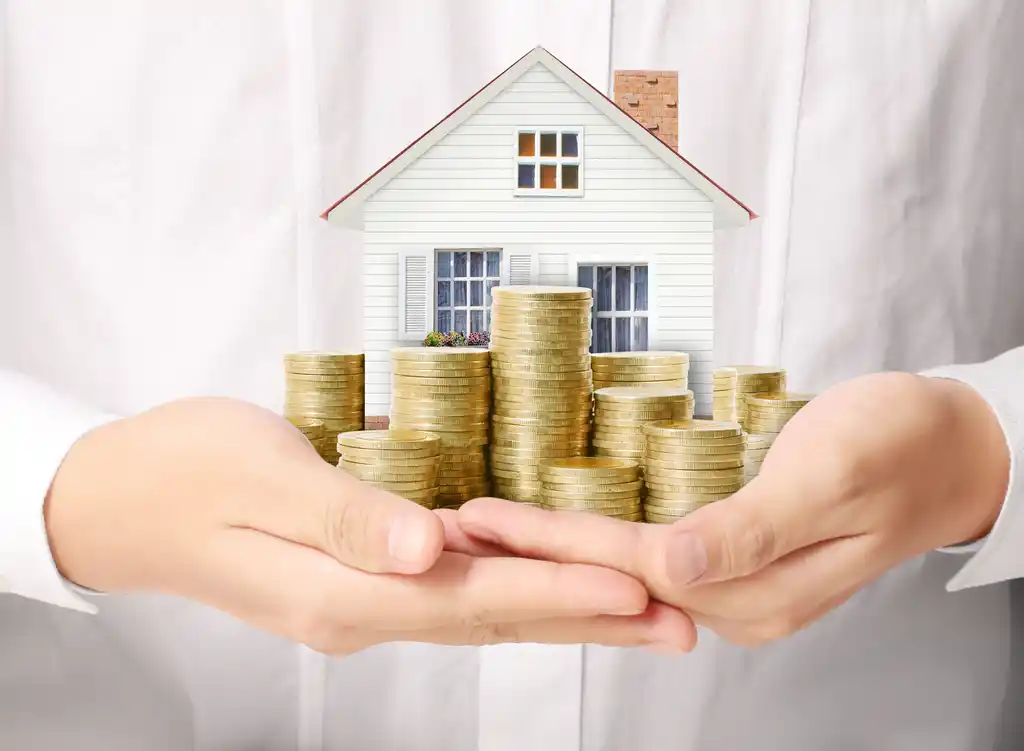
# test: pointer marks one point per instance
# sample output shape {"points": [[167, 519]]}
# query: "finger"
{"points": [[791, 589], [361, 526], [457, 541], [660, 627], [307, 596]]}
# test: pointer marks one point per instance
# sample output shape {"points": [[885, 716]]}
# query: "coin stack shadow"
{"points": [[733, 383], [689, 464], [635, 368], [326, 386], [600, 485], [447, 391], [620, 413], [312, 429], [767, 415], [540, 363], [403, 462]]}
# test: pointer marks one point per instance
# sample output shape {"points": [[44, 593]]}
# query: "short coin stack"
{"points": [[689, 464], [447, 391], [404, 462], [757, 446], [599, 485], [768, 413], [540, 361], [633, 368], [312, 429], [620, 413], [326, 386], [732, 384]]}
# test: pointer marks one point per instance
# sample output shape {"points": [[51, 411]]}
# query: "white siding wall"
{"points": [[634, 209]]}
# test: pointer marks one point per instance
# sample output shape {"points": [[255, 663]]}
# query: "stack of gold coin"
{"points": [[620, 413], [633, 368], [768, 413], [404, 462], [757, 447], [733, 383], [447, 391], [312, 429], [326, 386], [540, 361], [601, 485], [689, 464]]}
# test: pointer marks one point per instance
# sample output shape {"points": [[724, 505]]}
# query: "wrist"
{"points": [[980, 472]]}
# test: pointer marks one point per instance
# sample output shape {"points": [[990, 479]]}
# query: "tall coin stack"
{"points": [[312, 429], [403, 462], [540, 362], [689, 464], [633, 368], [620, 413], [447, 391], [606, 486], [757, 447], [326, 386], [732, 384]]}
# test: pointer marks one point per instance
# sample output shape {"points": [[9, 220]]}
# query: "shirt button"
{"points": [[4, 586]]}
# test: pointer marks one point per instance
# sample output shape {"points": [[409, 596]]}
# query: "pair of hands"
{"points": [[227, 504]]}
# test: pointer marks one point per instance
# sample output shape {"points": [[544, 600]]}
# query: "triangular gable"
{"points": [[347, 211]]}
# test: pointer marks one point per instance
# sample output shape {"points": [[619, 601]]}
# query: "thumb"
{"points": [[357, 524]]}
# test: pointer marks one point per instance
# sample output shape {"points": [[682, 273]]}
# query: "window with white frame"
{"points": [[465, 279], [548, 161], [620, 305]]}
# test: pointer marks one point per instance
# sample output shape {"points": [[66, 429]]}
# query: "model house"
{"points": [[539, 178]]}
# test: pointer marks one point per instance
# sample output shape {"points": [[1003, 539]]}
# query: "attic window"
{"points": [[548, 161]]}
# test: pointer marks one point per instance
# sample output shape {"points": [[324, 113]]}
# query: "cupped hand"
{"points": [[869, 474], [227, 504]]}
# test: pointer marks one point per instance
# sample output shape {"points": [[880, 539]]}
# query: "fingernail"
{"points": [[686, 559], [408, 540], [666, 650]]}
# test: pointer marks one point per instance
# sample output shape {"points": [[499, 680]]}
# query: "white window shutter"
{"points": [[415, 293], [518, 267]]}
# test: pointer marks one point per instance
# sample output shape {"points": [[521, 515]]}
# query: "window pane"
{"points": [[488, 329], [444, 265], [570, 177], [603, 335], [604, 288], [526, 144], [459, 271], [444, 320], [526, 178], [476, 263], [622, 334], [460, 321], [476, 294], [489, 286], [640, 333], [640, 290], [585, 277], [460, 294], [623, 287], [570, 144], [549, 144], [493, 263], [444, 294], [547, 176], [476, 320]]}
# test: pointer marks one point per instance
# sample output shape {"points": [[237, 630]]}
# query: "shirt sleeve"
{"points": [[999, 556], [38, 426]]}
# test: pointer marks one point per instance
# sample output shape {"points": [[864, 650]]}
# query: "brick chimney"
{"points": [[652, 98]]}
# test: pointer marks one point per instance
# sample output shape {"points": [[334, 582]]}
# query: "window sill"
{"points": [[549, 193]]}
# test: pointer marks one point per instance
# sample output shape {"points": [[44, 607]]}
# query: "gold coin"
{"points": [[589, 467], [591, 490], [693, 491], [642, 395], [692, 429], [511, 366], [388, 439], [649, 357], [575, 419], [682, 467], [539, 292], [439, 354], [411, 381]]}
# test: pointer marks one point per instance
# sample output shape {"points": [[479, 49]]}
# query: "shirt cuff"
{"points": [[38, 428], [997, 557]]}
